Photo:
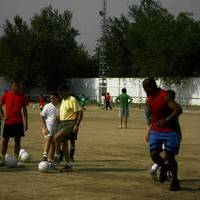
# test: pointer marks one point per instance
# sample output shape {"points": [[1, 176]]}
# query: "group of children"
{"points": [[60, 123]]}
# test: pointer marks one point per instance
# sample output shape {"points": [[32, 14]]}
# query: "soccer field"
{"points": [[111, 163]]}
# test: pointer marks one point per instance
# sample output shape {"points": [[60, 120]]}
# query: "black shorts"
{"points": [[14, 130]]}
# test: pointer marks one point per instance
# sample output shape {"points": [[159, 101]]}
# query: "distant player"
{"points": [[15, 116], [70, 117], [162, 130], [83, 101], [124, 100], [49, 121], [41, 102], [108, 101]]}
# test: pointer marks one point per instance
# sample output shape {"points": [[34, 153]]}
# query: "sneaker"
{"points": [[163, 173], [20, 164], [153, 171], [67, 168], [56, 160], [175, 185], [44, 158], [52, 166]]}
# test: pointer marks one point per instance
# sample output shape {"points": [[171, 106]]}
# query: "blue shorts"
{"points": [[171, 141]]}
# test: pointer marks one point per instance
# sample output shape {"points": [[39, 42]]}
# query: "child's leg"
{"points": [[47, 144], [72, 149]]}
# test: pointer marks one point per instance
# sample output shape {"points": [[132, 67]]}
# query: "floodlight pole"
{"points": [[103, 69]]}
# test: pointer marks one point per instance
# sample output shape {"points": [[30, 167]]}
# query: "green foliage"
{"points": [[45, 53], [153, 42]]}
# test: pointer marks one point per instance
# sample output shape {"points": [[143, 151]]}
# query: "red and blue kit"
{"points": [[159, 109]]}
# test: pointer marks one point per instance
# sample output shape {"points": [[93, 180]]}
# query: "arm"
{"points": [[78, 121], [176, 112], [25, 114], [44, 126], [2, 116]]}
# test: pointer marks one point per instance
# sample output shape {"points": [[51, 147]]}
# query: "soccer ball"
{"points": [[43, 166], [34, 106], [25, 157], [10, 161]]}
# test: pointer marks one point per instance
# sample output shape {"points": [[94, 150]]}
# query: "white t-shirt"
{"points": [[50, 112]]}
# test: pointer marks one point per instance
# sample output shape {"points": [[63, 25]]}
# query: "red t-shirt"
{"points": [[159, 109], [14, 102]]}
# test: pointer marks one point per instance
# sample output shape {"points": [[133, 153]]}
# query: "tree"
{"points": [[45, 52], [153, 42]]}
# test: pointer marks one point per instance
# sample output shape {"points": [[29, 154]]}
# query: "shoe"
{"points": [[52, 166], [44, 158], [20, 164], [163, 173], [153, 173], [56, 160], [67, 168], [175, 185]]}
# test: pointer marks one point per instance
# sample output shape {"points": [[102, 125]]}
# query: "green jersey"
{"points": [[124, 99]]}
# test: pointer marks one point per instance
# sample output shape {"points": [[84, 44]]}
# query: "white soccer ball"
{"points": [[25, 157], [34, 106], [43, 166], [10, 161]]}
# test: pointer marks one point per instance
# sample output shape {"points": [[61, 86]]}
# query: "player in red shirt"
{"points": [[162, 130], [15, 111]]}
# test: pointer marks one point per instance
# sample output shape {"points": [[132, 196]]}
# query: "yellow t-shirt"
{"points": [[69, 108]]}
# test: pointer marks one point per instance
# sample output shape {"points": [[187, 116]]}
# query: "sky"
{"points": [[86, 17]]}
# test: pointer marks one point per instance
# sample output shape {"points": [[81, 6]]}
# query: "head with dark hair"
{"points": [[124, 90], [54, 93], [54, 97], [64, 90], [15, 85], [149, 85], [171, 94]]}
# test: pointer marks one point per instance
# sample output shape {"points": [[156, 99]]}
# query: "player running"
{"points": [[162, 130]]}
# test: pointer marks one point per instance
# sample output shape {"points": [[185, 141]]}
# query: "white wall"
{"points": [[187, 93], [4, 85]]}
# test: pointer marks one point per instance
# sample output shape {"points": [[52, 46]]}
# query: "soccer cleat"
{"points": [[153, 171], [175, 185], [67, 168]]}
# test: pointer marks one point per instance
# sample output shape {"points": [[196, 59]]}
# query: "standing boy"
{"points": [[124, 100], [70, 117], [49, 121], [15, 111]]}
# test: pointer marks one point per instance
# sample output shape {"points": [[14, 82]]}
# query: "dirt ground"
{"points": [[111, 163]]}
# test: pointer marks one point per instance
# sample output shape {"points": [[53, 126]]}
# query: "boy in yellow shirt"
{"points": [[70, 117]]}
